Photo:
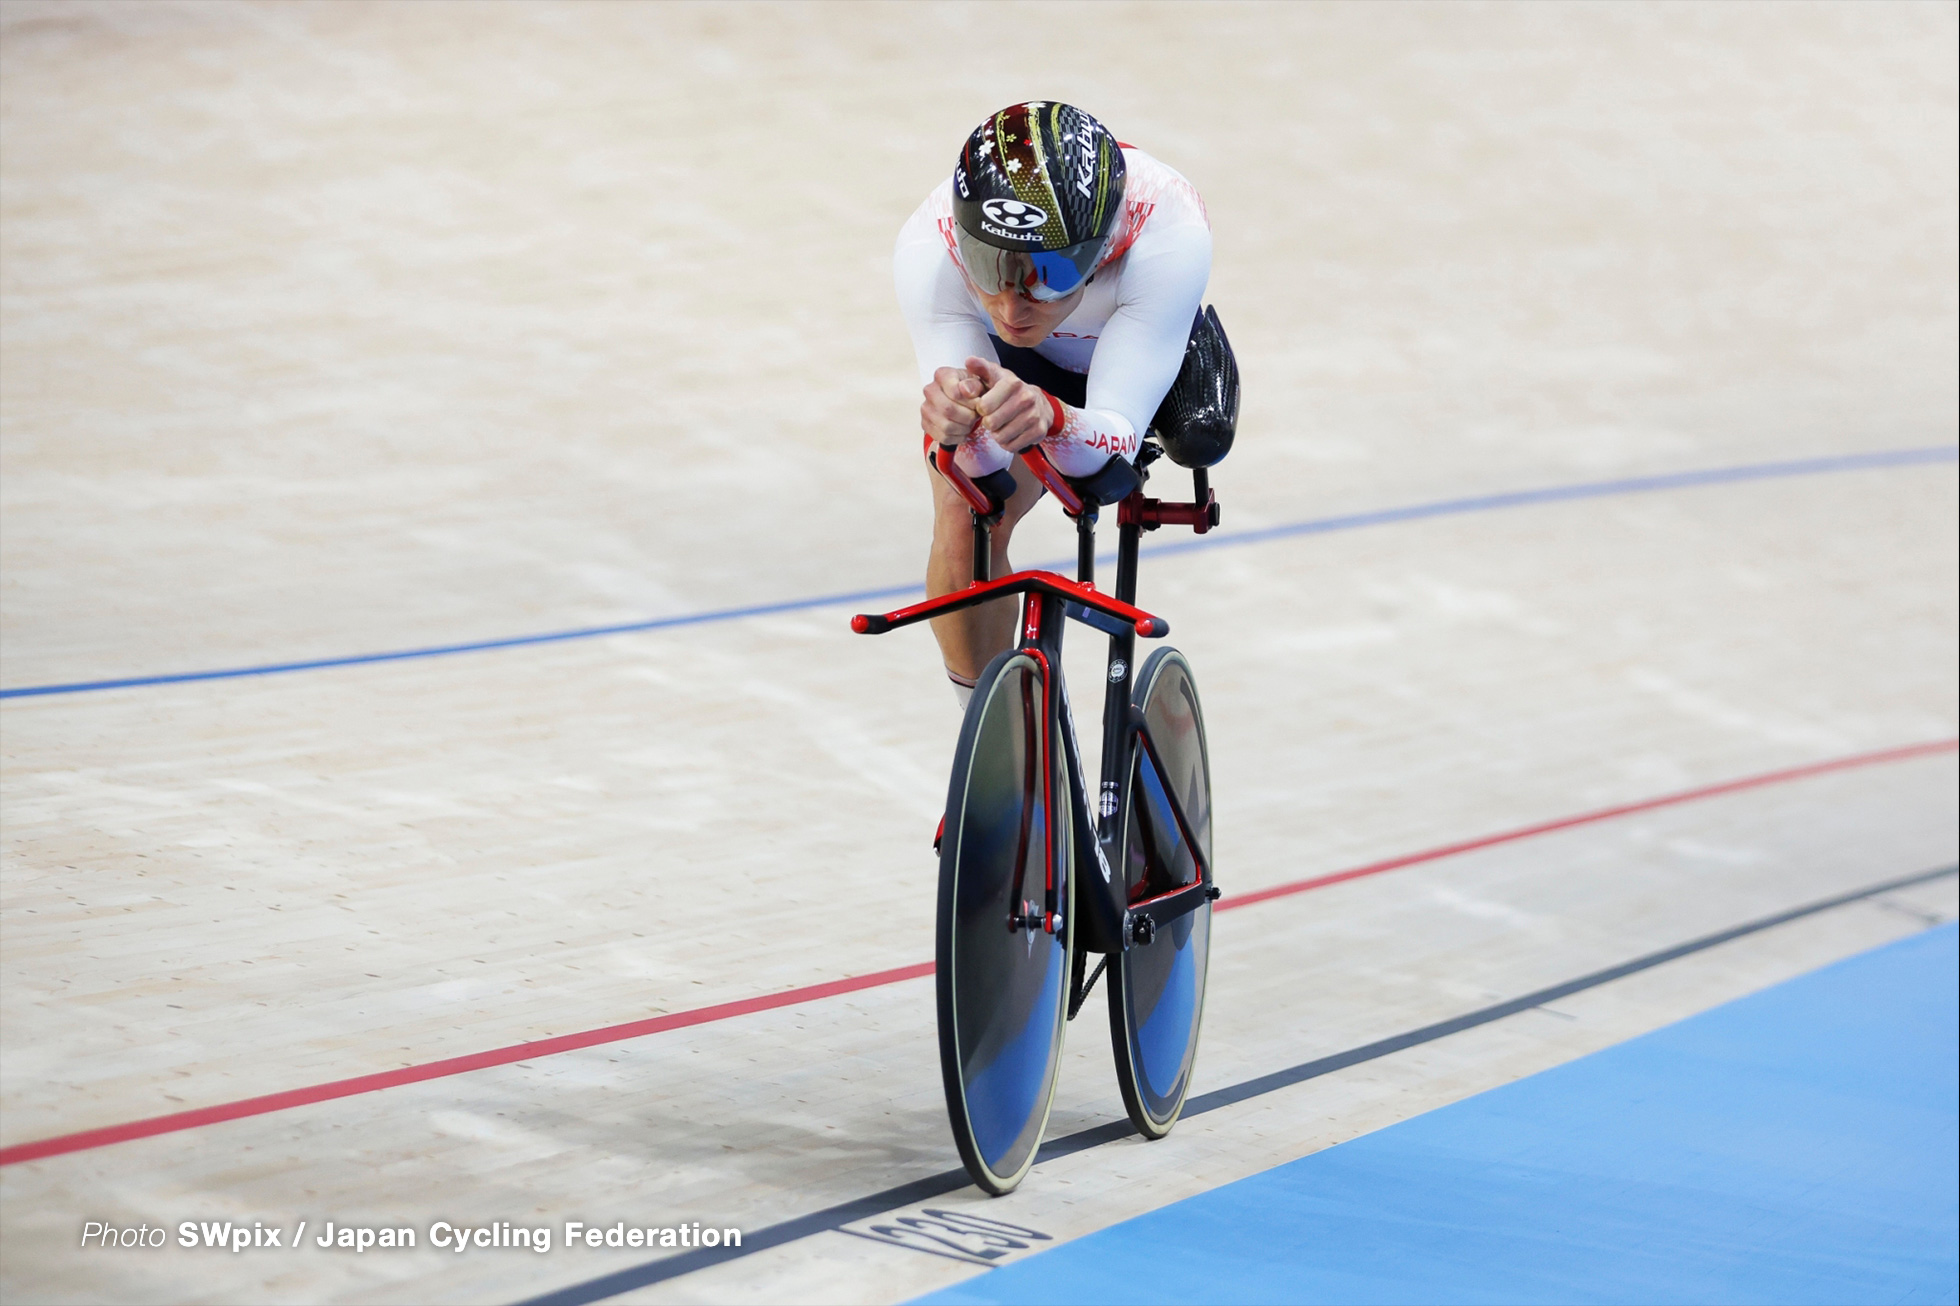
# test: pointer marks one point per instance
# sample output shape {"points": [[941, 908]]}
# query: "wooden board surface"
{"points": [[333, 330]]}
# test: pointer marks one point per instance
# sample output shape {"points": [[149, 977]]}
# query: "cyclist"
{"points": [[1052, 287]]}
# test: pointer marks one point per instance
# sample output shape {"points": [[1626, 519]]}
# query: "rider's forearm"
{"points": [[1086, 438], [1079, 441]]}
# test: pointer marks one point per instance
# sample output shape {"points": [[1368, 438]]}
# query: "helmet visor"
{"points": [[1044, 275]]}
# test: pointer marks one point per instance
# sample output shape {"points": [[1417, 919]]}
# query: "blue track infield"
{"points": [[1797, 1145], [1851, 462]]}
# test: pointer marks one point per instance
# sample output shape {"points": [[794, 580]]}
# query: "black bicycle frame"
{"points": [[1125, 733], [1111, 923]]}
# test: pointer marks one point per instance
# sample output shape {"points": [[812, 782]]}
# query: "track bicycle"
{"points": [[1036, 871]]}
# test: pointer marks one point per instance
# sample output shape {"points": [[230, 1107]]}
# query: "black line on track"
{"points": [[947, 1181]]}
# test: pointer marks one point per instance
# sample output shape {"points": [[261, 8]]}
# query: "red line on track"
{"points": [[1602, 814], [544, 1047], [298, 1097]]}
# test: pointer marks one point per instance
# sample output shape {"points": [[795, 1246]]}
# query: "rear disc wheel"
{"points": [[1157, 989]]}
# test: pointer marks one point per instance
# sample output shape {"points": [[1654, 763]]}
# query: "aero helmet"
{"points": [[1037, 194]]}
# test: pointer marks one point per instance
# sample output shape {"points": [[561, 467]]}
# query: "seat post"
{"points": [[1128, 536], [1085, 546]]}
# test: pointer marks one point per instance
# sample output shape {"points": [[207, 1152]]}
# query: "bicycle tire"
{"points": [[1002, 991], [1157, 990]]}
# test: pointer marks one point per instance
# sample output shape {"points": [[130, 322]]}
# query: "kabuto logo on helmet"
{"points": [[1015, 215], [1068, 163], [1087, 157]]}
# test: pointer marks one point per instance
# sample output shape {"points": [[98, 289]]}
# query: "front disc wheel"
{"points": [[1002, 974]]}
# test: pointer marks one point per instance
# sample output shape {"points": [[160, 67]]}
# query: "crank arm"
{"points": [[1142, 921]]}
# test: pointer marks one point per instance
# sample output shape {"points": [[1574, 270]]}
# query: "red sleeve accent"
{"points": [[1059, 417]]}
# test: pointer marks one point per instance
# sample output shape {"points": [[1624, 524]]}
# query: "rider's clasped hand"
{"points": [[985, 395], [947, 413]]}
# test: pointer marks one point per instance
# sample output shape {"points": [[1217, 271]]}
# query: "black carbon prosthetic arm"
{"points": [[1200, 414]]}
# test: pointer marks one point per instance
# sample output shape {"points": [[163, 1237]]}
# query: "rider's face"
{"points": [[1026, 322]]}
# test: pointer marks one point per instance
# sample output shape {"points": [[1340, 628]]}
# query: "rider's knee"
{"points": [[1200, 413], [1027, 492], [952, 522]]}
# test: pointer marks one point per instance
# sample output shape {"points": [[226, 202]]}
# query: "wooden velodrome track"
{"points": [[334, 330]]}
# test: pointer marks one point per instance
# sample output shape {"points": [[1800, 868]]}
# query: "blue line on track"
{"points": [[1316, 526]]}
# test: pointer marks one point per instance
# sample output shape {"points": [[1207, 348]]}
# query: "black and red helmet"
{"points": [[1037, 195]]}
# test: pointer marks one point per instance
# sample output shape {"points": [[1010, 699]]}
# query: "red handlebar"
{"points": [[1045, 472], [976, 498], [1135, 510]]}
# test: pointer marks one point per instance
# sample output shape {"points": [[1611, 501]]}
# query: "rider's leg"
{"points": [[971, 638]]}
